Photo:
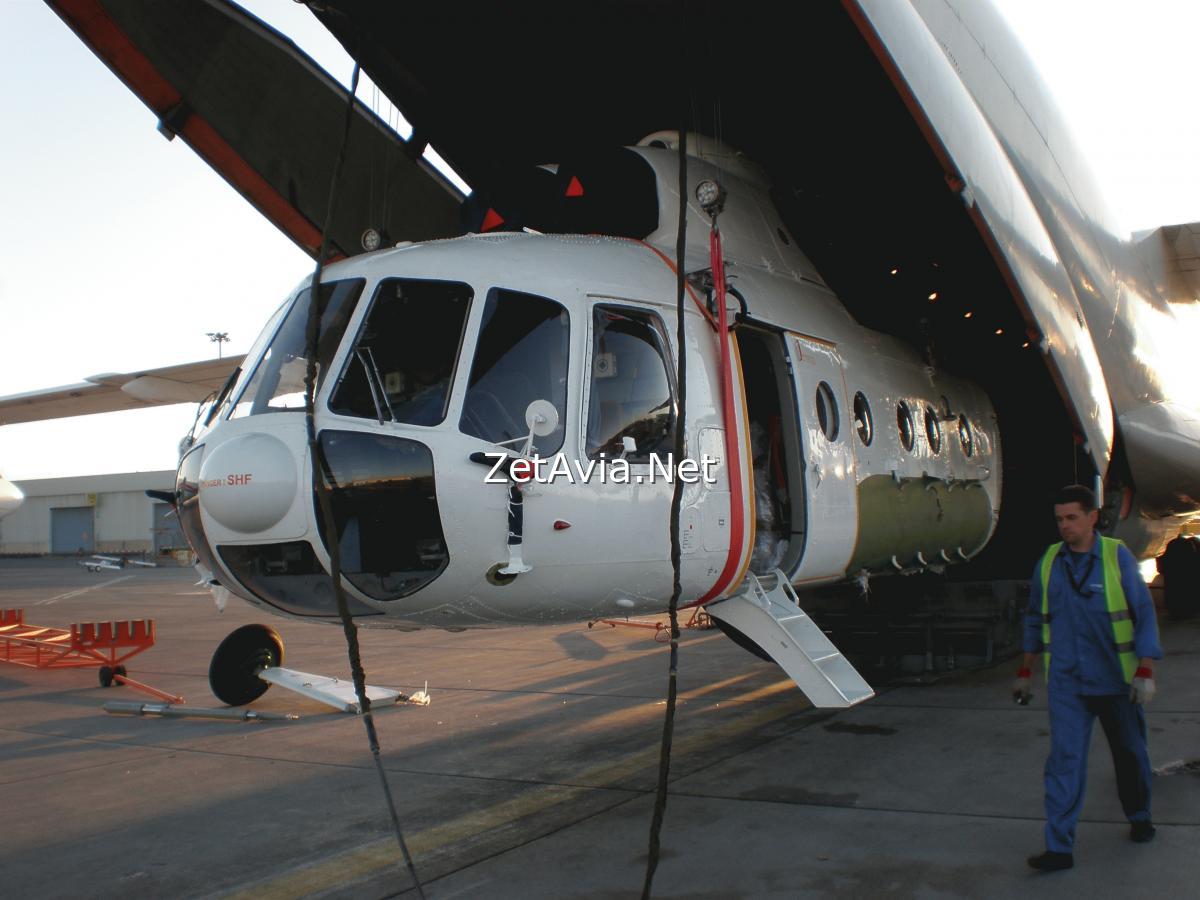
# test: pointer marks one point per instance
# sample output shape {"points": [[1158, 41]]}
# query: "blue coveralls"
{"points": [[1085, 681]]}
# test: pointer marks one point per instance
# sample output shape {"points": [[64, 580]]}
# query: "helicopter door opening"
{"points": [[779, 507]]}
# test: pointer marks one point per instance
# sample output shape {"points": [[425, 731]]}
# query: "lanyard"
{"points": [[1079, 584]]}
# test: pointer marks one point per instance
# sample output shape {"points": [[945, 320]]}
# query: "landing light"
{"points": [[894, 271], [999, 331], [968, 315], [711, 196], [933, 296], [371, 240]]}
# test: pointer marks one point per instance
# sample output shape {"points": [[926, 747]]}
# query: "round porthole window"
{"points": [[827, 411], [862, 418], [904, 422], [965, 437], [933, 430]]}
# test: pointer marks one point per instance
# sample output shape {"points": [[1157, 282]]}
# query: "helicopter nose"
{"points": [[248, 483]]}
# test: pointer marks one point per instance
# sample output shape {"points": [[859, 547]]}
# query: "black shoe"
{"points": [[1051, 861], [1142, 832]]}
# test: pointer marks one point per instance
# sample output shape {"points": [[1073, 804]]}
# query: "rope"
{"points": [[320, 487], [664, 759]]}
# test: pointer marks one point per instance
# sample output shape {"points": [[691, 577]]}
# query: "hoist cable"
{"points": [[321, 479], [664, 759]]}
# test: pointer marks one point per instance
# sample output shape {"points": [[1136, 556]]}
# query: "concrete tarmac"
{"points": [[532, 773]]}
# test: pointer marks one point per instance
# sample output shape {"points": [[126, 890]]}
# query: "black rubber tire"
{"points": [[233, 672], [120, 670], [106, 676]]}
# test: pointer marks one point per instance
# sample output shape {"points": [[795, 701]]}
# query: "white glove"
{"points": [[1142, 690]]}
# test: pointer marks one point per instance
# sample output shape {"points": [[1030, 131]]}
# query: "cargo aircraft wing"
{"points": [[267, 119], [186, 383]]}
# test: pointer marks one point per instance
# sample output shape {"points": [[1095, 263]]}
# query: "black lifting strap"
{"points": [[664, 759], [320, 487]]}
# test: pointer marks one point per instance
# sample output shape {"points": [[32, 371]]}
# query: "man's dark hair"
{"points": [[1076, 493]]}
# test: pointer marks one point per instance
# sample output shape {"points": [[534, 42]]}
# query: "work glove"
{"points": [[1022, 689], [1142, 690]]}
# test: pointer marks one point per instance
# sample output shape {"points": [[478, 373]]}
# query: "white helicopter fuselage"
{"points": [[840, 455]]}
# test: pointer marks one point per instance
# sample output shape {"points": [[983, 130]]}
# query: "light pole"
{"points": [[218, 338]]}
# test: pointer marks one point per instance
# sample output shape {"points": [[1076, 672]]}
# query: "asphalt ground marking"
{"points": [[91, 587], [373, 858]]}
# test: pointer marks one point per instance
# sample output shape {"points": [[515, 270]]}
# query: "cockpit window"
{"points": [[277, 384], [255, 351], [521, 357], [630, 392], [402, 363]]}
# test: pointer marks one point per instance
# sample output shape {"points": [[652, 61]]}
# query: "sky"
{"points": [[120, 250]]}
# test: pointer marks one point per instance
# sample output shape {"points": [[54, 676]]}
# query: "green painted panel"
{"points": [[925, 515]]}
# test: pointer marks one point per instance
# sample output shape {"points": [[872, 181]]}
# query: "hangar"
{"points": [[93, 514]]}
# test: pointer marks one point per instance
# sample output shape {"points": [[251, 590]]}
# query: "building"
{"points": [[93, 514]]}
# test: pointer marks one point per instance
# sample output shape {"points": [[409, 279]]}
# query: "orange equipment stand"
{"points": [[662, 630], [86, 644]]}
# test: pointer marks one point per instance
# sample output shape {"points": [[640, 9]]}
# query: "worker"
{"points": [[1091, 617]]}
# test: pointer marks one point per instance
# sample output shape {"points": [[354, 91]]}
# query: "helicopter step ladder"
{"points": [[768, 612]]}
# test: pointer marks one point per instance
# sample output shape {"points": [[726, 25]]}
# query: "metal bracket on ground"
{"points": [[335, 692], [167, 710]]}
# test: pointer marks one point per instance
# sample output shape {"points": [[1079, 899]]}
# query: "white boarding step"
{"points": [[771, 617]]}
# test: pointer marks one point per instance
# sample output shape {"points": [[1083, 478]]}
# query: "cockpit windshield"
{"points": [[277, 384], [402, 363]]}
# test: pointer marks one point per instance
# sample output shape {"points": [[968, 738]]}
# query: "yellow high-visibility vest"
{"points": [[1114, 597]]}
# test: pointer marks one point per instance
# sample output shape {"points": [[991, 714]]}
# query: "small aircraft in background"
{"points": [[100, 563]]}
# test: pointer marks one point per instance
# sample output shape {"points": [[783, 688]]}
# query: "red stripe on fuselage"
{"points": [[733, 464]]}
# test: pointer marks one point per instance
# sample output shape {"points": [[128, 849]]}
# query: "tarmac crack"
{"points": [[527, 842], [60, 772], [899, 810], [158, 749], [1014, 709]]}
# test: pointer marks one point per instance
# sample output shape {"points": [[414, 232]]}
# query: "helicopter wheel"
{"points": [[233, 672], [106, 676]]}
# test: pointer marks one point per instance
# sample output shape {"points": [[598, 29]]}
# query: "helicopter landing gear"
{"points": [[233, 672]]}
